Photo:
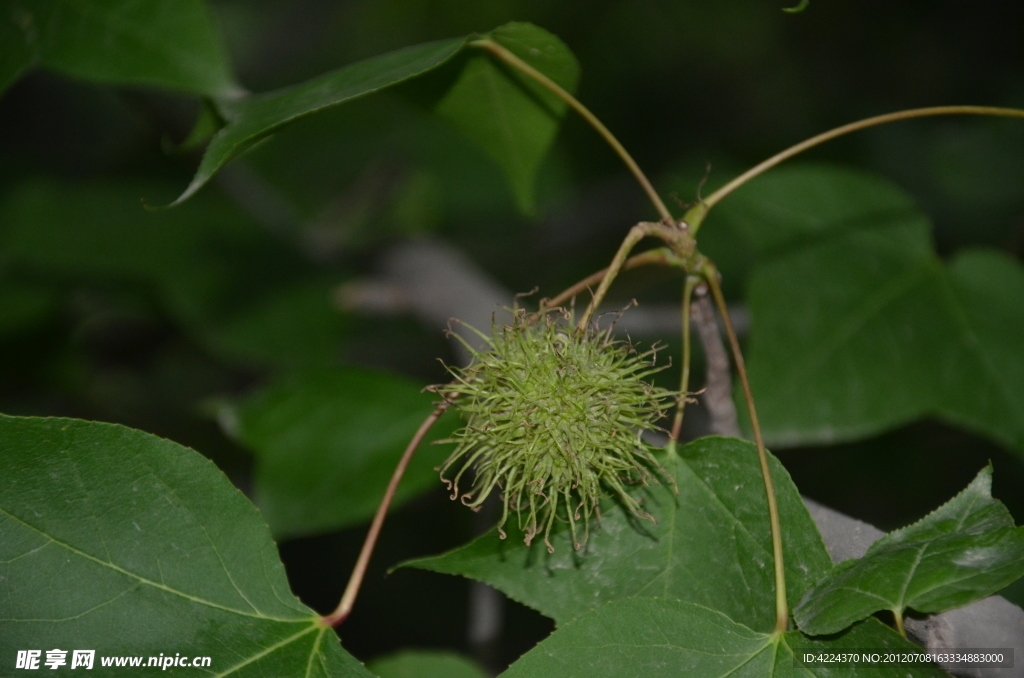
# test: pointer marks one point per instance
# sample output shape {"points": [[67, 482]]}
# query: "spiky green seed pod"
{"points": [[552, 415]]}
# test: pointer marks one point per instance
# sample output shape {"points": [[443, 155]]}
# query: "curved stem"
{"points": [[781, 609], [696, 214], [684, 380], [348, 599], [635, 235], [898, 617], [511, 59], [659, 255]]}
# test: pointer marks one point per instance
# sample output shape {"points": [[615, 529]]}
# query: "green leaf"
{"points": [[208, 121], [326, 443], [425, 664], [117, 541], [711, 546], [965, 550], [251, 119], [162, 43], [669, 638], [846, 335], [857, 327], [512, 117]]}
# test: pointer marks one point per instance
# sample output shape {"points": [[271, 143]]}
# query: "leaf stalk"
{"points": [[676, 236], [660, 255], [499, 51], [684, 379], [696, 214], [348, 598], [711, 275]]}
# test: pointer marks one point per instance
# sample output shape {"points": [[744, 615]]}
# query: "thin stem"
{"points": [[684, 380], [348, 599], [781, 608], [898, 616], [508, 57], [635, 235], [697, 213], [660, 255]]}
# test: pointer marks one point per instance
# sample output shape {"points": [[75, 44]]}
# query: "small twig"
{"points": [[676, 236], [348, 599], [635, 235], [718, 381], [660, 255]]}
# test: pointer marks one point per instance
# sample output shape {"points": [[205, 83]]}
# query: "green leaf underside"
{"points": [[509, 115], [162, 43], [130, 545], [857, 327], [711, 545], [425, 664], [253, 118], [327, 442], [965, 550], [654, 638]]}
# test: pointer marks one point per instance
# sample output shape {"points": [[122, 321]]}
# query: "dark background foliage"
{"points": [[215, 298]]}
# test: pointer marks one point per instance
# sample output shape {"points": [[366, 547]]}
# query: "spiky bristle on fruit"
{"points": [[552, 416]]}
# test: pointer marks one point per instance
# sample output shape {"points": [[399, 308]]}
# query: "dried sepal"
{"points": [[552, 416]]}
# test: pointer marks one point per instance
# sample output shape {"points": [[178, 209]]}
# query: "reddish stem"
{"points": [[661, 255], [348, 599]]}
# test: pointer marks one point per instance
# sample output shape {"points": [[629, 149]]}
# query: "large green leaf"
{"points": [[163, 43], [425, 664], [668, 638], [327, 441], [512, 117], [117, 541], [966, 549], [846, 335], [711, 546], [251, 119], [857, 326]]}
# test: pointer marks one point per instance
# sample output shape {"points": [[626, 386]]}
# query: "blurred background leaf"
{"points": [[327, 442], [161, 43]]}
